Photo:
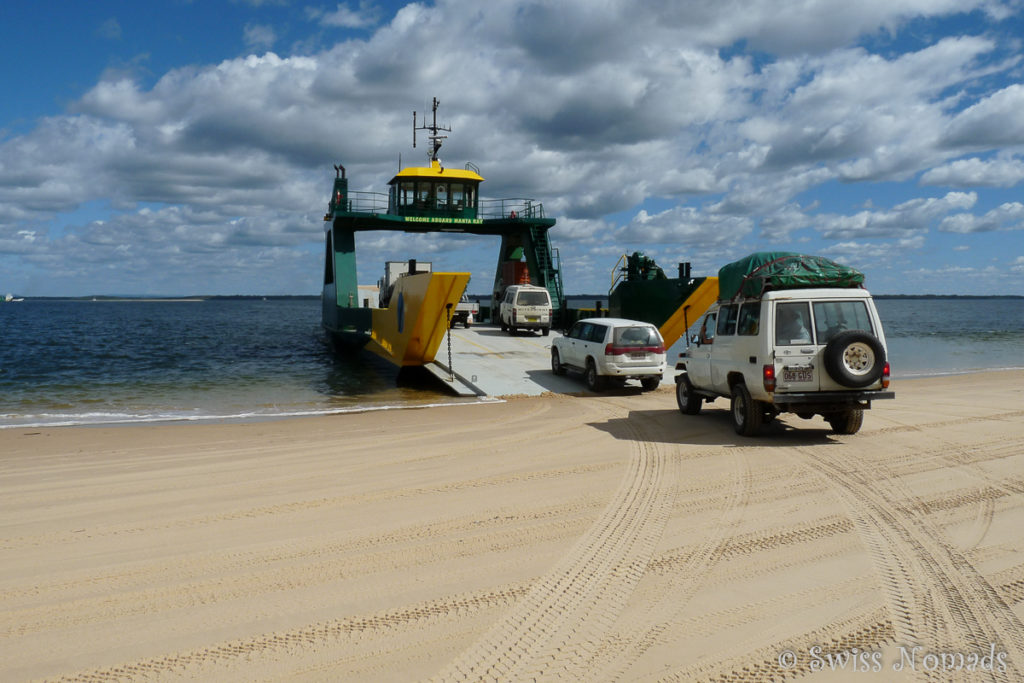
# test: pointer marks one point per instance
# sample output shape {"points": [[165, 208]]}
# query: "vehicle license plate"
{"points": [[532, 318], [804, 374], [638, 356]]}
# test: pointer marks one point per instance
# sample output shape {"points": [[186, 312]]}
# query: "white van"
{"points": [[525, 307]]}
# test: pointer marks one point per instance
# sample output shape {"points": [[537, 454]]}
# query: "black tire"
{"points": [[650, 383], [556, 363], [595, 382], [847, 422], [688, 402], [504, 327], [746, 413], [854, 359]]}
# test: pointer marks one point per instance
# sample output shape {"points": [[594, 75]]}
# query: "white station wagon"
{"points": [[611, 350]]}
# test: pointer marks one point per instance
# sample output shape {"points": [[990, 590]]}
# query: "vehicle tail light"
{"points": [[768, 377], [885, 376], [514, 315]]}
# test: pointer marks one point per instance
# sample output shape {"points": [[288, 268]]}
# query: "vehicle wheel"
{"points": [[689, 403], [546, 331], [854, 359], [746, 414], [595, 382], [847, 422], [650, 383], [556, 363], [504, 327], [468, 323], [513, 331]]}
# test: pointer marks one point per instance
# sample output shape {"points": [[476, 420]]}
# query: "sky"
{"points": [[186, 147]]}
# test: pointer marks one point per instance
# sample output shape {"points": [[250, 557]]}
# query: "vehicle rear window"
{"points": [[792, 323], [637, 336], [833, 317], [532, 299]]}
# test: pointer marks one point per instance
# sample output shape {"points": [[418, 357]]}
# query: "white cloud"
{"points": [[903, 220], [1009, 216], [259, 36], [686, 226], [975, 172], [109, 29], [345, 17], [733, 115], [994, 121]]}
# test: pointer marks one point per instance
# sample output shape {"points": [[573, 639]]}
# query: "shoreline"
{"points": [[443, 400], [584, 536]]}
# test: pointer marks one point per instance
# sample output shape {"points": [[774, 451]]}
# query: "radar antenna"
{"points": [[435, 139]]}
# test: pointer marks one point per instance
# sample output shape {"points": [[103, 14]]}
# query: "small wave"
{"points": [[948, 372], [99, 419]]}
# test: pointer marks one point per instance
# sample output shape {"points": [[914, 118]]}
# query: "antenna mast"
{"points": [[435, 139]]}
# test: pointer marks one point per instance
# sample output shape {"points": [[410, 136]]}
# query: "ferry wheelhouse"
{"points": [[427, 199]]}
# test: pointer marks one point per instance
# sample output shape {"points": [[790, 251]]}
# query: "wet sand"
{"points": [[590, 537]]}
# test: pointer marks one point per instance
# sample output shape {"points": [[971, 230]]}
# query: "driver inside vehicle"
{"points": [[792, 327], [707, 330]]}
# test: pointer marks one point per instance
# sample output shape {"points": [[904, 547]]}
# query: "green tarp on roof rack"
{"points": [[767, 270]]}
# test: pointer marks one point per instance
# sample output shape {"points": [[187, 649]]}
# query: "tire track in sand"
{"points": [[938, 600], [568, 611]]}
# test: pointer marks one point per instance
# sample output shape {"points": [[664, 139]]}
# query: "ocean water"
{"points": [[111, 362], [103, 362]]}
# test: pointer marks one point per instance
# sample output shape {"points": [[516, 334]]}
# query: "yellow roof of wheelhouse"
{"points": [[436, 171]]}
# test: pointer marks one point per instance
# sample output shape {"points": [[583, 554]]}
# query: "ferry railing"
{"points": [[618, 272], [377, 202], [364, 202], [510, 208]]}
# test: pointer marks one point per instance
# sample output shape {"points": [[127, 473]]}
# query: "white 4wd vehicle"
{"points": [[611, 350], [806, 351], [525, 307]]}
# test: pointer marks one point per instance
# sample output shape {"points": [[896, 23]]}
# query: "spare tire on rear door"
{"points": [[854, 358]]}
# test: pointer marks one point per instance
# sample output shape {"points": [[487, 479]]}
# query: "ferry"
{"points": [[416, 307], [424, 199]]}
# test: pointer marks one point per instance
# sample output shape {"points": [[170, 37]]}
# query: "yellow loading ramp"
{"points": [[690, 312], [410, 330]]}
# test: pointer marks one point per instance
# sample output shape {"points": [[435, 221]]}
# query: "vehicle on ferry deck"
{"points": [[526, 307]]}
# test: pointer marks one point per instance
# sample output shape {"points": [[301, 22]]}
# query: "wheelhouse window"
{"points": [[406, 193], [457, 196], [441, 193], [423, 191]]}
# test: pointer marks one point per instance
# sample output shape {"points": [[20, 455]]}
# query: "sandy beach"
{"points": [[563, 537]]}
